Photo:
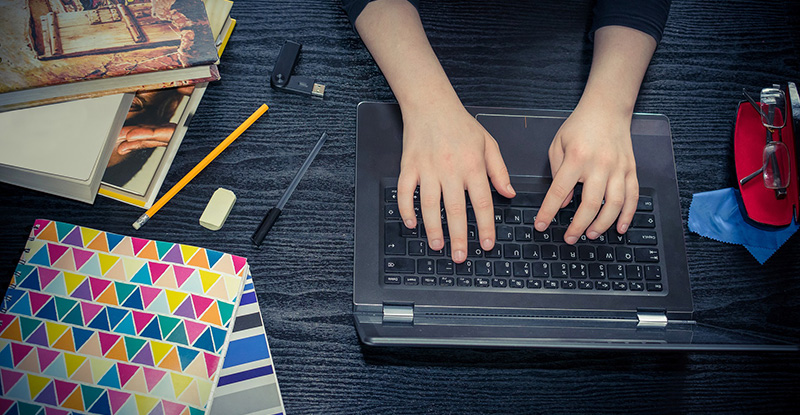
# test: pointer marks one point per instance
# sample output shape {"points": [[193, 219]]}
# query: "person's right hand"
{"points": [[446, 151], [138, 137]]}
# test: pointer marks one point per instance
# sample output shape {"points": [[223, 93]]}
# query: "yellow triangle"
{"points": [[234, 286], [205, 391], [208, 279], [54, 331], [88, 235], [73, 362], [145, 403], [31, 248], [73, 280], [159, 350], [132, 266], [36, 384], [180, 383], [100, 367], [175, 298], [187, 252], [106, 262]]}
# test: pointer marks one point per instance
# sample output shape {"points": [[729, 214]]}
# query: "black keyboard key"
{"points": [[602, 285], [474, 250], [495, 252], [498, 215], [417, 247], [472, 232], [549, 252], [390, 194], [527, 199], [513, 216], [619, 285], [504, 233], [597, 271], [391, 211], [464, 268], [428, 281], [560, 270], [446, 281], [585, 285], [605, 253], [529, 216], [565, 217], [624, 254], [643, 220], [482, 282], [534, 284], [654, 286], [426, 266], [399, 265], [392, 279], [542, 236], [569, 252], [558, 234], [522, 269], [641, 237], [512, 251], [499, 282], [514, 283], [523, 233], [569, 285], [541, 269], [634, 272], [550, 284], [405, 232], [646, 254], [483, 267], [636, 286], [530, 251], [615, 271], [440, 252], [645, 204], [502, 268], [652, 272], [411, 280], [464, 282], [577, 270], [615, 237], [587, 253], [444, 267], [393, 243]]}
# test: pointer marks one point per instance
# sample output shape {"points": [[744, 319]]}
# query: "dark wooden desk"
{"points": [[526, 54]]}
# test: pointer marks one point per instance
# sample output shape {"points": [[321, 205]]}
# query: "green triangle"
{"points": [[123, 290], [90, 394], [225, 311], [28, 326], [179, 336], [63, 305], [195, 411], [167, 323], [74, 317], [63, 229], [133, 345], [27, 408], [163, 248]]}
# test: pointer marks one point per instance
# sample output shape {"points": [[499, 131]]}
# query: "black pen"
{"points": [[272, 215]]}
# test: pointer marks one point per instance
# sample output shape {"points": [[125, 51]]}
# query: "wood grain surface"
{"points": [[527, 54]]}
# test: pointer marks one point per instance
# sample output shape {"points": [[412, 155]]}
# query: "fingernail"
{"points": [[410, 223], [571, 239], [510, 188], [487, 244], [592, 235], [124, 151], [459, 256], [540, 226], [624, 227], [436, 244]]}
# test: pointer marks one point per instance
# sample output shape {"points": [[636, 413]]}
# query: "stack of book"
{"points": [[96, 96]]}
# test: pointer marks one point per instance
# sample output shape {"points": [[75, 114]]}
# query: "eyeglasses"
{"points": [[775, 169]]}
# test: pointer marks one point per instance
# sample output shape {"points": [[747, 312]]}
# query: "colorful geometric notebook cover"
{"points": [[96, 322], [247, 381]]}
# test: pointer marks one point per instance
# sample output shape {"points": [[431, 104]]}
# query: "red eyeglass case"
{"points": [[749, 137]]}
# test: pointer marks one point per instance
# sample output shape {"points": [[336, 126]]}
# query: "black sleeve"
{"points": [[648, 16], [353, 8]]}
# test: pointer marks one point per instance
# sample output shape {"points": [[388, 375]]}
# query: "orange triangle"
{"points": [[211, 315], [171, 361], [75, 401], [118, 352], [149, 252], [197, 369], [13, 332], [124, 247], [199, 259], [109, 296], [30, 363], [92, 347], [191, 395], [84, 374], [117, 272], [167, 279], [137, 383], [49, 233], [225, 265], [66, 262], [99, 244], [218, 290], [65, 342]]}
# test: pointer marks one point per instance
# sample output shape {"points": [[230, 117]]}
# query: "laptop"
{"points": [[532, 289]]}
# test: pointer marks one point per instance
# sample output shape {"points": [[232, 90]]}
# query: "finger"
{"points": [[496, 168], [556, 155], [128, 146], [613, 201], [480, 195], [147, 133], [430, 202], [456, 208], [406, 185], [591, 202], [631, 202], [560, 190]]}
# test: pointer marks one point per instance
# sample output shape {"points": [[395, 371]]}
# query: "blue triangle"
{"points": [[13, 410], [142, 277], [101, 406], [219, 337], [152, 331], [57, 369], [100, 322], [12, 295], [160, 305], [31, 282], [20, 391], [113, 240], [5, 357], [22, 307], [48, 311], [110, 379], [187, 356], [204, 341], [134, 301], [115, 315], [213, 256], [92, 267], [80, 336], [126, 326], [22, 271], [57, 286], [40, 257]]}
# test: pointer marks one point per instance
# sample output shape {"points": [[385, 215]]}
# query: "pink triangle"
{"points": [[152, 377], [126, 372], [107, 340], [138, 244], [201, 304], [193, 329], [9, 379], [81, 257], [117, 399], [238, 263], [98, 286], [90, 311], [140, 320], [64, 389], [182, 274], [19, 351], [39, 226], [172, 408], [56, 251], [37, 300], [53, 411], [47, 275], [211, 364], [156, 270], [46, 356], [149, 294]]}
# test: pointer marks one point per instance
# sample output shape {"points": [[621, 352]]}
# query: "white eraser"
{"points": [[218, 209]]}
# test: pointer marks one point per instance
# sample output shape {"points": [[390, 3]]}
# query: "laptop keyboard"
{"points": [[523, 258]]}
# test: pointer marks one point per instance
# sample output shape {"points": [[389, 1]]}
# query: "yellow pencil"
{"points": [[199, 167]]}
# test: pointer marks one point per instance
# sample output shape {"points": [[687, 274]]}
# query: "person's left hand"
{"points": [[592, 147], [138, 137]]}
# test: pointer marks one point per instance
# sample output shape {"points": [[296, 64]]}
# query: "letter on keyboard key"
{"points": [[635, 237], [399, 265]]}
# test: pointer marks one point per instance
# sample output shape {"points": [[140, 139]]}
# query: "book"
{"points": [[62, 148], [247, 382], [136, 176], [61, 50], [104, 323]]}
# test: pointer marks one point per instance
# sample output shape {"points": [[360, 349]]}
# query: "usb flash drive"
{"points": [[282, 78]]}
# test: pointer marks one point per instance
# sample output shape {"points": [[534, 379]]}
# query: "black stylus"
{"points": [[274, 213]]}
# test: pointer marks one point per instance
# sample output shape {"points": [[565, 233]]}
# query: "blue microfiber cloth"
{"points": [[716, 215]]}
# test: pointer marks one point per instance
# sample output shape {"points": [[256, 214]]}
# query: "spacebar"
{"points": [[521, 199]]}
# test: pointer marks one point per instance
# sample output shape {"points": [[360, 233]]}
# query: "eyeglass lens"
{"points": [[773, 106], [776, 166]]}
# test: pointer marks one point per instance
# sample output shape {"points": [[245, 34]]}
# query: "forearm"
{"points": [[393, 33], [621, 56]]}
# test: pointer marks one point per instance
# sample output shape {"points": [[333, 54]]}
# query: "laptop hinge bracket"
{"points": [[393, 313], [652, 319]]}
